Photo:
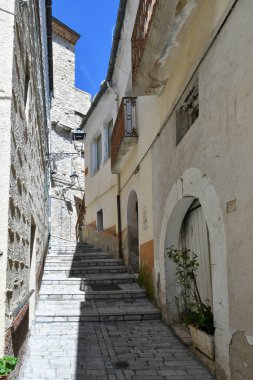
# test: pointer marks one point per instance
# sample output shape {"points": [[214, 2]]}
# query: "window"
{"points": [[109, 135], [188, 111], [98, 152], [27, 93], [32, 239], [26, 88], [100, 221]]}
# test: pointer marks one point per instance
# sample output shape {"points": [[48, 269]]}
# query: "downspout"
{"points": [[51, 89], [118, 186], [119, 217]]}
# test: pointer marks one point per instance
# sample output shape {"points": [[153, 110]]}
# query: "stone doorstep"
{"points": [[183, 333]]}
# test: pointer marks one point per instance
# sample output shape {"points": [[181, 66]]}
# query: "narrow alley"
{"points": [[94, 322]]}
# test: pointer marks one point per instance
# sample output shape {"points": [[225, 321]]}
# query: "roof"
{"points": [[64, 31]]}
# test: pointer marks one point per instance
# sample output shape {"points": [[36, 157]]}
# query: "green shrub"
{"points": [[7, 365], [195, 311]]}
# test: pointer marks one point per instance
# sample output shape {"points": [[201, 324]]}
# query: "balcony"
{"points": [[124, 135], [160, 29]]}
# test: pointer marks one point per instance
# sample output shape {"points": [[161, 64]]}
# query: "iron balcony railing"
{"points": [[141, 29], [124, 133]]}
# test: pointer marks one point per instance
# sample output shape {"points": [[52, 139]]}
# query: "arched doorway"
{"points": [[190, 186], [133, 232], [194, 235]]}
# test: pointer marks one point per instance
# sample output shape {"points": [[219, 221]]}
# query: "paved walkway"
{"points": [[94, 322]]}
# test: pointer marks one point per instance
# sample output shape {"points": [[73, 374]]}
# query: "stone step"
{"points": [[85, 270], [83, 263], [89, 279], [69, 245], [97, 292], [99, 311], [77, 257], [74, 250]]}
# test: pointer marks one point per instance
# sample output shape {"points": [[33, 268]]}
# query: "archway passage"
{"points": [[194, 236], [133, 232]]}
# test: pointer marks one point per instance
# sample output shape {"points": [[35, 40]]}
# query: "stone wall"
{"points": [[25, 226], [69, 104]]}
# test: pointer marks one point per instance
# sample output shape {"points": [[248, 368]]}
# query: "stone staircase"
{"points": [[93, 322], [84, 284]]}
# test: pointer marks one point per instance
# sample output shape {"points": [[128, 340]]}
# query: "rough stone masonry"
{"points": [[68, 107]]}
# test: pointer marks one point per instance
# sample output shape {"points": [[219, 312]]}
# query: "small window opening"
{"points": [[109, 135], [32, 238], [98, 152], [100, 226], [26, 88], [188, 111]]}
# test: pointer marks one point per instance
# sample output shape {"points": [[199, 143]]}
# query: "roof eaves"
{"points": [[70, 30]]}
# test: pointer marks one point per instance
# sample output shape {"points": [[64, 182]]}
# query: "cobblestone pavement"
{"points": [[114, 345]]}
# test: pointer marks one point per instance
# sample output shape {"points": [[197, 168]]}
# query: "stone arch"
{"points": [[133, 231], [194, 185]]}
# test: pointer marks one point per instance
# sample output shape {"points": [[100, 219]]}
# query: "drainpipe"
{"points": [[118, 185], [119, 217]]}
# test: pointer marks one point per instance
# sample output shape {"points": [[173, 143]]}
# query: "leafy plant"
{"points": [[7, 365], [200, 318], [196, 312]]}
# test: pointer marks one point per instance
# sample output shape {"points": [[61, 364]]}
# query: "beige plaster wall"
{"points": [[101, 186], [219, 144]]}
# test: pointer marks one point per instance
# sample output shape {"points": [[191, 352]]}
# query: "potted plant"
{"points": [[7, 365], [196, 314]]}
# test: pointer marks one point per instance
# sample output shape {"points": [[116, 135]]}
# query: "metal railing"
{"points": [[141, 29], [17, 310], [125, 126]]}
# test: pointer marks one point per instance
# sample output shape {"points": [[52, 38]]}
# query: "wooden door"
{"points": [[194, 236]]}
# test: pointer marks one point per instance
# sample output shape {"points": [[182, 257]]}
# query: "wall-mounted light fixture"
{"points": [[78, 137]]}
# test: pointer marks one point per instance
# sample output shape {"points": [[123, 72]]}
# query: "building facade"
{"points": [[26, 86], [68, 107], [172, 172]]}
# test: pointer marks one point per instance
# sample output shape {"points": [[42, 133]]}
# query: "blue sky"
{"points": [[94, 20]]}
